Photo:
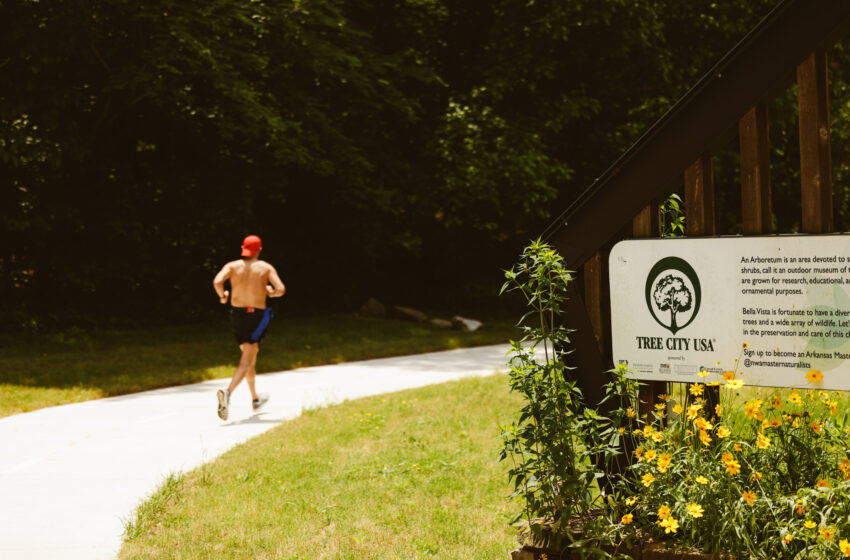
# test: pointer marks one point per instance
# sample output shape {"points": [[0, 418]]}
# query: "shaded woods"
{"points": [[407, 149]]}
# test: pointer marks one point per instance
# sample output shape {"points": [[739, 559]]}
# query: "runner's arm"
{"points": [[218, 283], [276, 289]]}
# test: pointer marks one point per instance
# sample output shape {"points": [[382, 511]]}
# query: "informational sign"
{"points": [[771, 308]]}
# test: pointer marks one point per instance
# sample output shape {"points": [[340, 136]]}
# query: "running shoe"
{"points": [[223, 403], [258, 403]]}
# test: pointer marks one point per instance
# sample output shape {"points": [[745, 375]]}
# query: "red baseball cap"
{"points": [[251, 245]]}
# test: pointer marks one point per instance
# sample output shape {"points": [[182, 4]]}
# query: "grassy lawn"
{"points": [[413, 474], [41, 371]]}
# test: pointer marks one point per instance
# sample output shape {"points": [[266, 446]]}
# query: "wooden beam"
{"points": [[754, 134], [699, 197], [646, 223], [815, 164], [699, 220], [589, 366], [595, 295]]}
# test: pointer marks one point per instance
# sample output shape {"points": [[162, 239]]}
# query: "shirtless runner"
{"points": [[251, 281]]}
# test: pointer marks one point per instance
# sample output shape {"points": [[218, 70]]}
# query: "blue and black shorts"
{"points": [[249, 323]]}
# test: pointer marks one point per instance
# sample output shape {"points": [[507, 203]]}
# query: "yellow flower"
{"points": [[713, 384], [745, 345], [703, 373], [810, 524], [718, 409], [647, 431], [845, 547], [817, 427], [734, 383], [626, 519], [630, 413], [657, 437], [822, 483], [697, 389], [756, 475], [794, 398], [663, 462], [737, 447], [775, 422], [663, 397], [777, 402], [694, 410], [763, 442], [631, 501], [749, 497], [647, 479], [844, 467], [704, 437], [694, 510], [621, 430], [733, 467], [833, 407], [723, 432], [660, 406], [639, 452], [702, 424], [753, 409], [814, 376], [663, 512], [677, 409], [787, 538], [701, 479], [649, 456], [670, 525], [728, 375], [826, 533]]}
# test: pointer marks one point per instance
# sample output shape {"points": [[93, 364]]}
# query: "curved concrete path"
{"points": [[70, 475]]}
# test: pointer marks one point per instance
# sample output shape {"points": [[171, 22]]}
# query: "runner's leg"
{"points": [[251, 374], [246, 364]]}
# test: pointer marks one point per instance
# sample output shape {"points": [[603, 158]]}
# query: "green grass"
{"points": [[413, 474], [41, 371]]}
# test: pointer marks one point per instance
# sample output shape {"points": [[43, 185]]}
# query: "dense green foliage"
{"points": [[405, 149]]}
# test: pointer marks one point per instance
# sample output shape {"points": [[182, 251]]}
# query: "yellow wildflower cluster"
{"points": [[732, 465], [666, 520], [697, 437]]}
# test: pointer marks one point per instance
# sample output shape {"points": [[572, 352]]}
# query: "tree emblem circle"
{"points": [[667, 289]]}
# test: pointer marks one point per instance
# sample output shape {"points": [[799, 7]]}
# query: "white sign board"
{"points": [[683, 305]]}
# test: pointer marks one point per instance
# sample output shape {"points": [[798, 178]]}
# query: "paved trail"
{"points": [[70, 475]]}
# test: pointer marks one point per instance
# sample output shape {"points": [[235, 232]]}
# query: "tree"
{"points": [[672, 294]]}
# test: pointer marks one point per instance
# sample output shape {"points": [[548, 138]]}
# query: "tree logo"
{"points": [[673, 293]]}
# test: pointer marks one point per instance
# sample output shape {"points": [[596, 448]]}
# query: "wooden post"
{"points": [[595, 293], [699, 220], [815, 164], [647, 224], [756, 210], [699, 197]]}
